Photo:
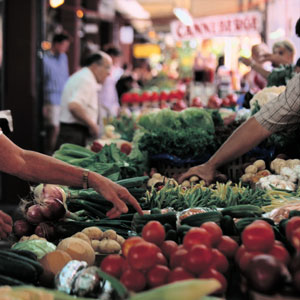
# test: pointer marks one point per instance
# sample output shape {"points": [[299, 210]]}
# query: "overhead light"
{"points": [[56, 3], [184, 16]]}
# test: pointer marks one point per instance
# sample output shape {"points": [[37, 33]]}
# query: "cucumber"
{"points": [[228, 226], [18, 269], [155, 210], [8, 253], [172, 235], [6, 280], [25, 253], [199, 219], [242, 211]]}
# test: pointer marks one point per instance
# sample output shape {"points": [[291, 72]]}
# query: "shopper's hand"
{"points": [[204, 172], [94, 130], [5, 225], [246, 61], [117, 195], [274, 58]]}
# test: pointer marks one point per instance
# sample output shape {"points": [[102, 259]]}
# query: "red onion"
{"points": [[34, 214], [45, 230], [54, 192], [22, 227], [53, 208]]}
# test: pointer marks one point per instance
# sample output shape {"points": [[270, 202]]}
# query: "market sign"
{"points": [[145, 50], [223, 25]]}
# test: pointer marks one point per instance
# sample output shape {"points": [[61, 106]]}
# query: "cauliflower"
{"points": [[266, 95], [289, 174], [277, 181]]}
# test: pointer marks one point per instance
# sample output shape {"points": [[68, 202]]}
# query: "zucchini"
{"points": [[8, 253], [25, 253], [133, 182], [199, 219], [242, 211], [228, 226], [6, 280], [17, 268]]}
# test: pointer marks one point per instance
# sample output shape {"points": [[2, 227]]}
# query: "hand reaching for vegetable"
{"points": [[114, 193], [205, 172], [5, 225]]}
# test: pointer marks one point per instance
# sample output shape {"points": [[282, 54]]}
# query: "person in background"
{"points": [[281, 59], [56, 73], [282, 113], [79, 118], [108, 95], [36, 167], [297, 67]]}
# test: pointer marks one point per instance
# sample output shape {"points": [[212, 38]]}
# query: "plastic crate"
{"points": [[234, 170], [173, 166]]}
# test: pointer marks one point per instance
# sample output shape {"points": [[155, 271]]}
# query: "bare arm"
{"points": [[79, 113], [243, 139], [33, 166], [256, 67]]}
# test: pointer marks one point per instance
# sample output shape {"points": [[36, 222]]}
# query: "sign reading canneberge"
{"points": [[222, 25]]}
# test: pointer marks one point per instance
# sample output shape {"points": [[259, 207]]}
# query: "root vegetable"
{"points": [[110, 234], [251, 169], [93, 232], [34, 214], [78, 249], [260, 164], [120, 239], [247, 177], [22, 227], [194, 179], [95, 245], [82, 236], [186, 183], [45, 230], [107, 246]]}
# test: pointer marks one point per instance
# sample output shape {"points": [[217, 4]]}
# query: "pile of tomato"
{"points": [[150, 261]]}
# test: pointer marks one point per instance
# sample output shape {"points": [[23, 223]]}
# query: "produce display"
{"points": [[233, 237]]}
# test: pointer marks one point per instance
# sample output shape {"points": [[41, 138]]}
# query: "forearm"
{"points": [[259, 69], [243, 139]]}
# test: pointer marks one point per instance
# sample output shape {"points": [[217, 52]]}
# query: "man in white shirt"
{"points": [[79, 117]]}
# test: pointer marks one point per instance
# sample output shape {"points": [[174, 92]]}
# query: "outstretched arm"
{"points": [[243, 139], [37, 167]]}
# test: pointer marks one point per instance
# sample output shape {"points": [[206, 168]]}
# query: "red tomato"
{"points": [[296, 239], [168, 247], [179, 274], [196, 236], [219, 261], [280, 253], [196, 102], [198, 259], [133, 280], [212, 273], [214, 230], [113, 265], [143, 256], [245, 259], [226, 102], [227, 246], [161, 259], [258, 236], [129, 243], [292, 224], [177, 258], [241, 250], [154, 232], [157, 275], [232, 98]]}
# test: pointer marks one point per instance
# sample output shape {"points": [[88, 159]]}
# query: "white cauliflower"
{"points": [[289, 174], [266, 95], [276, 181]]}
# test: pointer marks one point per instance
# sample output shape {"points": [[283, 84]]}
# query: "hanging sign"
{"points": [[223, 25]]}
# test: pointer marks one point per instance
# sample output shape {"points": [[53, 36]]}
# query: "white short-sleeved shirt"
{"points": [[83, 88]]}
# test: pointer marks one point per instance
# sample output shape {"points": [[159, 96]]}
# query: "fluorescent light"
{"points": [[56, 3], [277, 34], [184, 16]]}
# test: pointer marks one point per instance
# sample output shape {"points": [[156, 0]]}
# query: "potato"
{"points": [[251, 169], [82, 236], [78, 249], [107, 246], [110, 234], [260, 164], [95, 245], [93, 232], [186, 183], [194, 179], [120, 239]]}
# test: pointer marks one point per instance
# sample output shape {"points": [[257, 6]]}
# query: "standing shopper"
{"points": [[79, 117], [36, 167], [56, 73], [282, 113]]}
